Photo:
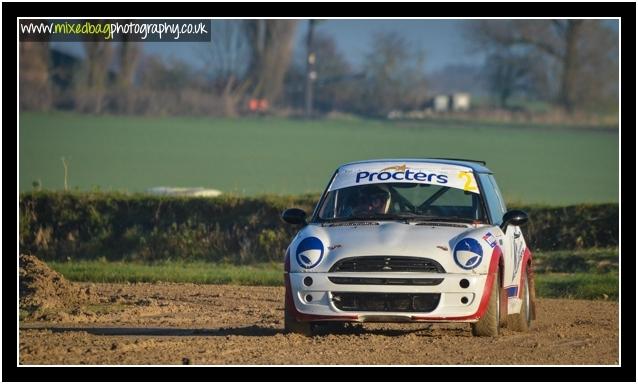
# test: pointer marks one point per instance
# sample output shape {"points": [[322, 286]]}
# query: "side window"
{"points": [[327, 210], [498, 193], [493, 199]]}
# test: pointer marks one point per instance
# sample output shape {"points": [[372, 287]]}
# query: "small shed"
{"points": [[440, 103], [460, 101]]}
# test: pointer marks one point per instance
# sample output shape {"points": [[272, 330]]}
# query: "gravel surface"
{"points": [[218, 324]]}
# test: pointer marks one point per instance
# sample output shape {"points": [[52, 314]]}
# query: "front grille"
{"points": [[384, 281], [386, 302], [387, 264]]}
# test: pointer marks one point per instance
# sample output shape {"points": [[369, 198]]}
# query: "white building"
{"points": [[460, 101], [440, 103]]}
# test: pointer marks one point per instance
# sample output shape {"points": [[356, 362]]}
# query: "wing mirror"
{"points": [[294, 216], [514, 217]]}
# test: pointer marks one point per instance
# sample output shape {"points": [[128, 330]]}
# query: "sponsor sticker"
{"points": [[309, 252], [519, 250], [468, 253], [490, 239], [405, 173]]}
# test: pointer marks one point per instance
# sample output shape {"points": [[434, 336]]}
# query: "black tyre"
{"points": [[522, 321], [489, 323]]}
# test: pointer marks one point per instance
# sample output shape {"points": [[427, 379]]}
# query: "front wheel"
{"points": [[522, 321], [489, 323]]}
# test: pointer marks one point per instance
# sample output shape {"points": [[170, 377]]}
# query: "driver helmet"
{"points": [[374, 198]]}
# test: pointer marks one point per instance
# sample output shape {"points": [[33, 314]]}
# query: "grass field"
{"points": [[578, 285], [534, 164], [175, 272]]}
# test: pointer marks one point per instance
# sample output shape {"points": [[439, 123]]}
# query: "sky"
{"points": [[442, 40]]}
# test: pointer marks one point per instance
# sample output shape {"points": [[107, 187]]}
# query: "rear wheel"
{"points": [[489, 323], [522, 321]]}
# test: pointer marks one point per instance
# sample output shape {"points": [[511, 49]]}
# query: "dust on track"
{"points": [[220, 324]]}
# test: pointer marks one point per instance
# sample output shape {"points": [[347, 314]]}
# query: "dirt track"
{"points": [[216, 324]]}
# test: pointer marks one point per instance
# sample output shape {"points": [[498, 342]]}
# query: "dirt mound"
{"points": [[43, 292]]}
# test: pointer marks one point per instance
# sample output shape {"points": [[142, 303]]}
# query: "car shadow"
{"points": [[252, 330], [359, 329]]}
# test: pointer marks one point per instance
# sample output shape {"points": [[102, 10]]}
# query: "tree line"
{"points": [[572, 63], [250, 66]]}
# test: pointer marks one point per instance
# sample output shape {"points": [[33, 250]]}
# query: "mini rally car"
{"points": [[416, 240]]}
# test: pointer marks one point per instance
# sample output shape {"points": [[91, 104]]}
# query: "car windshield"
{"points": [[401, 201]]}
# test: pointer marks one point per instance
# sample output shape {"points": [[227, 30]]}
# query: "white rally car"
{"points": [[417, 240]]}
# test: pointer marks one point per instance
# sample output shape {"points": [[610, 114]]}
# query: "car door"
{"points": [[506, 239], [513, 247]]}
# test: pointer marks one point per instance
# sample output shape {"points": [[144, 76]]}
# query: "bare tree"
{"points": [[333, 75], [332, 82], [163, 74], [271, 44], [249, 57], [92, 87], [128, 56], [226, 59], [394, 74], [596, 73], [573, 44], [34, 79], [508, 73]]}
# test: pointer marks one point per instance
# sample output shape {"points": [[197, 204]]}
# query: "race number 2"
{"points": [[468, 181]]}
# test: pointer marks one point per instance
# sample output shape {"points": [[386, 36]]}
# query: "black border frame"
{"points": [[626, 11]]}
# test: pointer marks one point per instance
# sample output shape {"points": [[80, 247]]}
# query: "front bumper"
{"points": [[319, 300]]}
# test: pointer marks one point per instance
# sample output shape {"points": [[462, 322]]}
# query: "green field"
{"points": [[578, 285], [534, 164], [171, 271]]}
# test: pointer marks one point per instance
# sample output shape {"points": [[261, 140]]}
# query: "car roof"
{"points": [[475, 165]]}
